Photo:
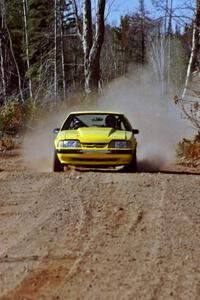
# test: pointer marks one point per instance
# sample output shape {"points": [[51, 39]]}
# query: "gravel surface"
{"points": [[98, 235]]}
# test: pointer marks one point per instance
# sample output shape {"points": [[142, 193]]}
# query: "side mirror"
{"points": [[56, 130], [135, 131]]}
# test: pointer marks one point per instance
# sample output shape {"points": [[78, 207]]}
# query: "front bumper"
{"points": [[111, 157]]}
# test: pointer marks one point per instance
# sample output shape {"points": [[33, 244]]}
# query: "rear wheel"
{"points": [[132, 166], [57, 166]]}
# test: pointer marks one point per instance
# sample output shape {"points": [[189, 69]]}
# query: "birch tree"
{"points": [[55, 49], [40, 22], [8, 61], [91, 42], [25, 11], [169, 35], [62, 49], [142, 25], [3, 81], [190, 100], [157, 55]]}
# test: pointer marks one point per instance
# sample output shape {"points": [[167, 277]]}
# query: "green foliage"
{"points": [[33, 72], [11, 116], [125, 45], [15, 116]]}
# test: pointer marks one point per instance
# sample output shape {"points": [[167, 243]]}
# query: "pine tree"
{"points": [[11, 47], [40, 32]]}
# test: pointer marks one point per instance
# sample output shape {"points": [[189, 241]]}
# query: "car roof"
{"points": [[95, 112]]}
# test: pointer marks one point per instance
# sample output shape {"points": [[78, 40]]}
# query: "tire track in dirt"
{"points": [[47, 215], [118, 219], [118, 236], [81, 244], [180, 259], [76, 219]]}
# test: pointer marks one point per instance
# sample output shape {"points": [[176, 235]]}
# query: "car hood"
{"points": [[95, 135]]}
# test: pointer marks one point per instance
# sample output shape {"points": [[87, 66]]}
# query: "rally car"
{"points": [[95, 139]]}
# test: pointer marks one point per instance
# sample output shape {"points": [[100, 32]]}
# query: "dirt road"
{"points": [[98, 235]]}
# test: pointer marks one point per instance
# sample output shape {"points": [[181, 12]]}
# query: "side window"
{"points": [[126, 124], [122, 126], [68, 124], [71, 124]]}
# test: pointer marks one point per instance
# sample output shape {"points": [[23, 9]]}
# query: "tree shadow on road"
{"points": [[146, 166], [158, 166]]}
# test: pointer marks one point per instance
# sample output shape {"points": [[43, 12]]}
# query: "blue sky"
{"points": [[127, 6], [122, 7]]}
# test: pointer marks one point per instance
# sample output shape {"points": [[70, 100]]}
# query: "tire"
{"points": [[57, 166], [132, 166]]}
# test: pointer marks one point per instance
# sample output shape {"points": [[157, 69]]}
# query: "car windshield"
{"points": [[75, 121]]}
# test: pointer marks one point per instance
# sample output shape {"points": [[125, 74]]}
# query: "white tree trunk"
{"points": [[55, 50], [158, 57], [187, 109], [91, 45], [1, 54], [169, 44], [165, 19], [62, 53], [2, 71], [191, 59], [25, 9]]}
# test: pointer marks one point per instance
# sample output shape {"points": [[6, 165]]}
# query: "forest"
{"points": [[53, 51], [99, 149]]}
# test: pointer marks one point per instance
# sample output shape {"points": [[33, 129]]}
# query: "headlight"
{"points": [[69, 144], [120, 144]]}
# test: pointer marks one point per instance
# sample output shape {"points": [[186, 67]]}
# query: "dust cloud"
{"points": [[139, 97], [38, 143], [37, 147], [159, 121]]}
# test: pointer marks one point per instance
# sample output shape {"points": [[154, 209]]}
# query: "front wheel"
{"points": [[132, 166], [57, 166]]}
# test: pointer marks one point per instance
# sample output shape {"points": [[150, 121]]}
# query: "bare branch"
{"points": [[16, 65], [78, 27], [109, 9]]}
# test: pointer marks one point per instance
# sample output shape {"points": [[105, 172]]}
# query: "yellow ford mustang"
{"points": [[95, 139]]}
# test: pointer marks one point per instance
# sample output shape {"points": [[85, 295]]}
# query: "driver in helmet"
{"points": [[110, 121], [77, 124]]}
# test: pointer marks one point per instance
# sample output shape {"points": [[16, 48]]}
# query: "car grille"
{"points": [[95, 159], [94, 145]]}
